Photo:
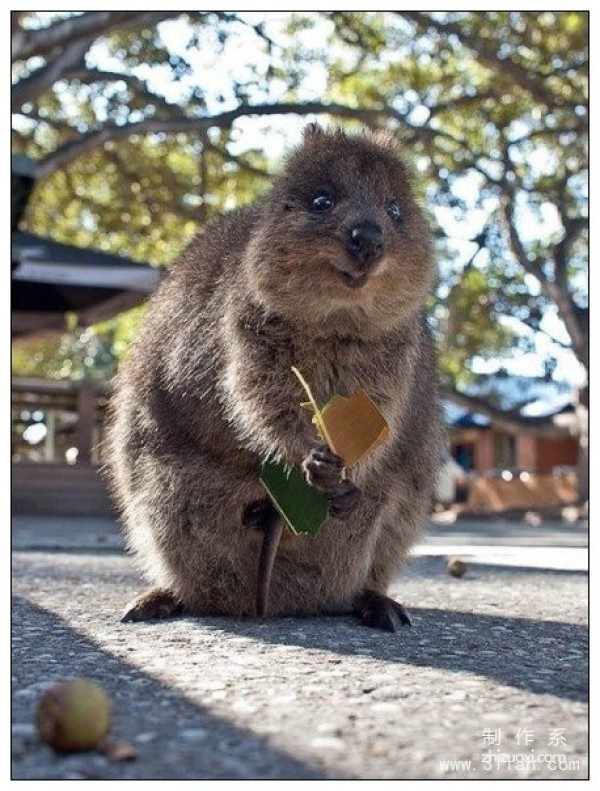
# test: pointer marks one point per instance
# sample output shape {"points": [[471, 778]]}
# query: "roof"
{"points": [[471, 420], [50, 279], [459, 417], [550, 404], [42, 260]]}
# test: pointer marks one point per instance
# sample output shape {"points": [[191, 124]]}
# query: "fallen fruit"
{"points": [[73, 715], [456, 567]]}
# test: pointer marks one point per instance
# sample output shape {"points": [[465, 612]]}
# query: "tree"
{"points": [[137, 147], [509, 144]]}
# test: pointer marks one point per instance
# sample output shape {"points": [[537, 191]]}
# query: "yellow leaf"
{"points": [[352, 427], [355, 426]]}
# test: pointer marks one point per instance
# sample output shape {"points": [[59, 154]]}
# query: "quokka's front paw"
{"points": [[343, 501], [323, 470]]}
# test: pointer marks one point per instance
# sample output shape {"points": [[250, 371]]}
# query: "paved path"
{"points": [[499, 655], [548, 545]]}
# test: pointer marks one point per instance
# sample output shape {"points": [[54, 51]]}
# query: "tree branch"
{"points": [[573, 227], [569, 313], [30, 87], [507, 204], [88, 26], [73, 149], [487, 53], [558, 292], [460, 101], [137, 85]]}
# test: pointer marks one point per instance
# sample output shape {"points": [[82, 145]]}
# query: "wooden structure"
{"points": [[50, 279], [59, 490], [480, 447], [523, 491], [514, 470], [58, 474]]}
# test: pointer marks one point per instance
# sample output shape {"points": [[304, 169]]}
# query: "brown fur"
{"points": [[208, 394]]}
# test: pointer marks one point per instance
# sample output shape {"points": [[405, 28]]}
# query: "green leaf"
{"points": [[303, 507]]}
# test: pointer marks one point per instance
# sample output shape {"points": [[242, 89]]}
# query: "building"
{"points": [[50, 279], [481, 447], [57, 425], [514, 470]]}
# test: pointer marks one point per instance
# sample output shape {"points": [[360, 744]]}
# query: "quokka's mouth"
{"points": [[351, 275], [354, 280]]}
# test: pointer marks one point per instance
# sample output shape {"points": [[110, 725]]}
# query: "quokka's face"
{"points": [[341, 228]]}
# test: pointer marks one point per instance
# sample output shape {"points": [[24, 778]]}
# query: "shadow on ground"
{"points": [[544, 657], [187, 741]]}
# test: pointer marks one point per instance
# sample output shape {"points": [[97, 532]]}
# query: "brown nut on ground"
{"points": [[456, 567], [73, 716]]}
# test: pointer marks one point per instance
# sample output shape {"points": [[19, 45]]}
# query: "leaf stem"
{"points": [[313, 403]]}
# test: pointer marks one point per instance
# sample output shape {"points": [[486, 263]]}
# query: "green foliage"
{"points": [[80, 353], [492, 106], [470, 327]]}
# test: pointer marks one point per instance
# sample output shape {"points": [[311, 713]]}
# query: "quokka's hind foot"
{"points": [[153, 604], [379, 611]]}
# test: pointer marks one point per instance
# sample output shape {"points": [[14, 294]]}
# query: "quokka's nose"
{"points": [[365, 243]]}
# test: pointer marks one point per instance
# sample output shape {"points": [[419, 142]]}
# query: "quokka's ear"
{"points": [[386, 140], [312, 131]]}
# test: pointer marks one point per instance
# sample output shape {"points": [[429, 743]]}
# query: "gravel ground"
{"points": [[493, 672]]}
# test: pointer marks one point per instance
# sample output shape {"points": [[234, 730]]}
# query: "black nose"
{"points": [[365, 243]]}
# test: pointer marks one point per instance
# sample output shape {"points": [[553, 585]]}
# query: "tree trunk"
{"points": [[583, 460]]}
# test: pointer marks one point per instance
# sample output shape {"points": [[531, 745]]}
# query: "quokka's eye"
{"points": [[322, 201], [394, 211]]}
